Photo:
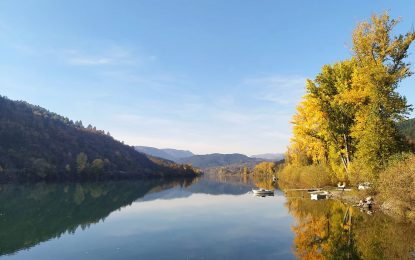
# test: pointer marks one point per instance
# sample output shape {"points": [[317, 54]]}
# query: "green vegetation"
{"points": [[407, 129], [40, 145]]}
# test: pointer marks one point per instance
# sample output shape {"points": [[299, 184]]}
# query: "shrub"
{"points": [[312, 176], [397, 187]]}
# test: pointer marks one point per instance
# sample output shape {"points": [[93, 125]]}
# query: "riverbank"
{"points": [[357, 199], [393, 189]]}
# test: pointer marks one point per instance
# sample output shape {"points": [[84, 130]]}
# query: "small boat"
{"points": [[319, 195], [262, 192], [274, 179]]}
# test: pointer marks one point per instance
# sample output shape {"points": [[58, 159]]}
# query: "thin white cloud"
{"points": [[89, 60], [233, 117], [278, 89], [279, 81], [86, 56], [114, 55]]}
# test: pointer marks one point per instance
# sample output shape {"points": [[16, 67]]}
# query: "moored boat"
{"points": [[319, 195], [262, 192]]}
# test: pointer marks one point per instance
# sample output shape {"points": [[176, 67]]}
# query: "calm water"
{"points": [[206, 218]]}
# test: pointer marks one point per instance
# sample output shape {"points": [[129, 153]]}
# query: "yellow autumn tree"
{"points": [[380, 66], [347, 119], [323, 122]]}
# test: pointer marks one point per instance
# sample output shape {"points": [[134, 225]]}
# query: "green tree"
{"points": [[97, 165], [81, 162], [41, 167]]}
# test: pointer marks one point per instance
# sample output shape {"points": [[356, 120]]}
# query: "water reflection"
{"points": [[330, 229], [209, 217], [32, 213]]}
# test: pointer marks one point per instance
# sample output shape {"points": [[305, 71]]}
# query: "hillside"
{"points": [[217, 159], [407, 128], [167, 153], [36, 144]]}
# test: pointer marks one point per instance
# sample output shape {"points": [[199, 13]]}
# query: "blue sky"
{"points": [[208, 76]]}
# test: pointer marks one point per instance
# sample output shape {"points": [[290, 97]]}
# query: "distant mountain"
{"points": [[154, 152], [36, 144], [216, 159], [211, 161], [178, 153], [167, 153], [269, 156]]}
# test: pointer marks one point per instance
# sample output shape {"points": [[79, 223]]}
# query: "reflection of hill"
{"points": [[215, 187], [207, 185], [30, 214]]}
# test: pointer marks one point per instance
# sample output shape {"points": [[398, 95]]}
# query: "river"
{"points": [[212, 217]]}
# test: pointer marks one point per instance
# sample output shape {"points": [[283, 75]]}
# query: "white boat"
{"points": [[319, 195], [262, 192]]}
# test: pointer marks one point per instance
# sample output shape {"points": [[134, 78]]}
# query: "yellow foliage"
{"points": [[350, 110]]}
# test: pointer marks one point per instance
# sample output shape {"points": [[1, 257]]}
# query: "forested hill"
{"points": [[37, 144], [407, 128]]}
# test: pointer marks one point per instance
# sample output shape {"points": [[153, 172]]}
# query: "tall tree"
{"points": [[381, 65], [348, 116], [81, 162]]}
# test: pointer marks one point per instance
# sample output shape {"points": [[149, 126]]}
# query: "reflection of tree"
{"points": [[331, 230], [38, 212], [380, 237], [322, 230], [311, 237], [263, 181]]}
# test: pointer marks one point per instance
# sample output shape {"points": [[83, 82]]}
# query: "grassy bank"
{"points": [[394, 190]]}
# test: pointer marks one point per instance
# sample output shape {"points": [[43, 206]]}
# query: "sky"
{"points": [[201, 75]]}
